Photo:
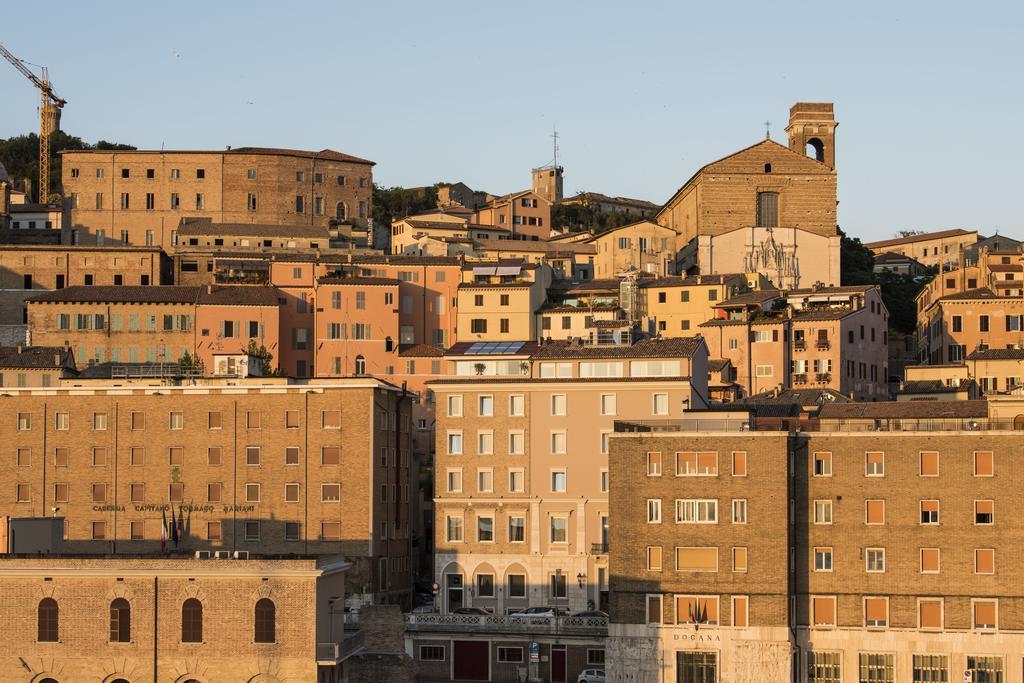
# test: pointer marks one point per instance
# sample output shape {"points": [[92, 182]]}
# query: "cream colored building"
{"points": [[645, 246], [497, 300], [521, 479], [933, 249]]}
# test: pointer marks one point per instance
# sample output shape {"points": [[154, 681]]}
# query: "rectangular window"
{"points": [[654, 553], [930, 558], [878, 668], [874, 560], [653, 510], [929, 512], [330, 419], [693, 609], [984, 669], [739, 559], [693, 559], [874, 464], [330, 493], [516, 442], [516, 481], [929, 463], [984, 464], [654, 464], [826, 667], [485, 529], [557, 442], [696, 511], [697, 464], [558, 404], [516, 529], [455, 443], [823, 559], [177, 421], [739, 463], [984, 512], [660, 404], [516, 405], [985, 614], [608, 404], [739, 511], [930, 668], [506, 655], [559, 529], [486, 406], [984, 561], [874, 512], [455, 405], [823, 512], [823, 610], [454, 529]]}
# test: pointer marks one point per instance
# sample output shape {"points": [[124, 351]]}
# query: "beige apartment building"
{"points": [[408, 234], [526, 214], [677, 306], [521, 505], [827, 337], [956, 325], [71, 618], [1001, 270], [646, 247], [874, 546], [317, 469], [35, 366], [139, 197], [939, 250], [766, 208], [497, 300]]}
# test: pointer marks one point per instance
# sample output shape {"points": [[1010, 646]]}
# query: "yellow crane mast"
{"points": [[49, 119]]}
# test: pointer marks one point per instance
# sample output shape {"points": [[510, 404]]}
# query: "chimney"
{"points": [[209, 289], [56, 359], [20, 349]]}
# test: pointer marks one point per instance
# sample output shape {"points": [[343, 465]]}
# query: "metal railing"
{"points": [[948, 424], [684, 425], [351, 643], [512, 623], [599, 548]]}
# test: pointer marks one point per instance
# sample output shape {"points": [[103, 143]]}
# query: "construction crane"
{"points": [[49, 118]]}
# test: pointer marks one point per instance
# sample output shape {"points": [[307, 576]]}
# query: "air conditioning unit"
{"points": [[202, 554], [222, 554], [241, 554]]}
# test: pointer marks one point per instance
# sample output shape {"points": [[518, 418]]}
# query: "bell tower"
{"points": [[812, 131]]}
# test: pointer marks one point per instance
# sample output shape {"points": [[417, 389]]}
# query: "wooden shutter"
{"points": [[707, 463], [875, 511], [654, 615], [824, 611], [984, 561], [984, 465], [876, 611], [697, 559], [739, 463], [985, 614], [739, 559], [929, 559], [929, 463], [876, 461], [654, 558], [930, 614], [739, 611]]}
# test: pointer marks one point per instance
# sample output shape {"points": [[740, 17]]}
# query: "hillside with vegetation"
{"points": [[20, 156], [898, 291]]}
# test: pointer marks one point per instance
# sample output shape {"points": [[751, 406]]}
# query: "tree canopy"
{"points": [[20, 156]]}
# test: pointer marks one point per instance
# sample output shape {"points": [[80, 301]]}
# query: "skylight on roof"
{"points": [[493, 348]]}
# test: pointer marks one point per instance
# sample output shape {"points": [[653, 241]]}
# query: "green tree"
{"points": [[394, 203], [192, 365], [20, 156], [263, 356], [898, 291]]}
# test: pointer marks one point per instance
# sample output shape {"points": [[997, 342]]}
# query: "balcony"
{"points": [[513, 623], [599, 548], [799, 344], [823, 377], [332, 653], [800, 378], [823, 345]]}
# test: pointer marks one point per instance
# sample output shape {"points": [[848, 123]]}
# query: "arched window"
{"points": [[120, 621], [48, 680], [360, 365], [389, 344], [816, 149], [265, 618], [119, 680], [48, 626], [1018, 422], [192, 621], [339, 211], [767, 168]]}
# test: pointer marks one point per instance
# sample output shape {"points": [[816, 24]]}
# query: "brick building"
{"points": [[26, 270], [940, 250], [139, 197], [767, 208], [150, 617], [155, 324], [320, 469], [872, 545]]}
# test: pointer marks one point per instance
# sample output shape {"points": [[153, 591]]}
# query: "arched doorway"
{"points": [[339, 211], [1018, 422]]}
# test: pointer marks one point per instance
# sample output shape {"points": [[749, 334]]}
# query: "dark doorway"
{"points": [[471, 660], [454, 592], [558, 664]]}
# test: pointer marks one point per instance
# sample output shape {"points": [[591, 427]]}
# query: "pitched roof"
{"points": [[997, 354], [767, 143], [445, 225], [904, 410], [757, 296], [718, 364], [971, 295], [420, 351], [844, 289], [194, 227], [598, 197], [689, 281], [941, 234], [674, 347], [364, 281], [153, 294], [162, 294], [32, 357], [935, 386]]}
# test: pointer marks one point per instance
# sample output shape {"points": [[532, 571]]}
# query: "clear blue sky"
{"points": [[928, 94]]}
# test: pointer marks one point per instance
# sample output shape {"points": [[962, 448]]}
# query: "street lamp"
{"points": [[581, 578]]}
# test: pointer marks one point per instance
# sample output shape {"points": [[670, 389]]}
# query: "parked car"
{"points": [[478, 611], [591, 676], [423, 609], [592, 613], [537, 612]]}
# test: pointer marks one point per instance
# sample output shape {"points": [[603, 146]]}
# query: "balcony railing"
{"points": [[823, 345], [332, 653], [599, 548], [512, 623], [800, 378], [823, 377], [799, 344]]}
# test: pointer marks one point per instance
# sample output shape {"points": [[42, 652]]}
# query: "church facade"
{"points": [[768, 208]]}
